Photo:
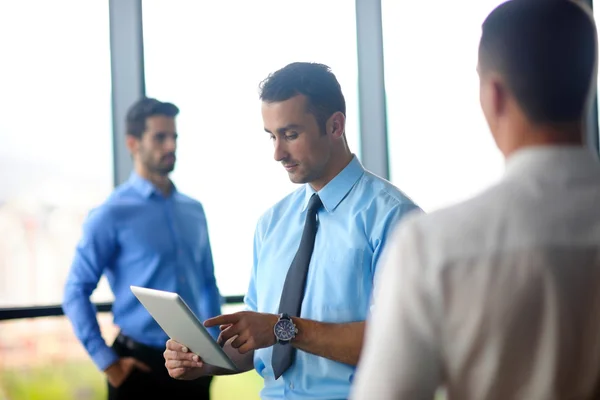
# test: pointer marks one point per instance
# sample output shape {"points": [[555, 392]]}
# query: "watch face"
{"points": [[285, 330]]}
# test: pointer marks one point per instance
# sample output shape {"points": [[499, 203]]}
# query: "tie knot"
{"points": [[314, 204]]}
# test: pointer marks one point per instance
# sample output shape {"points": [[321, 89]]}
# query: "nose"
{"points": [[170, 145], [280, 153]]}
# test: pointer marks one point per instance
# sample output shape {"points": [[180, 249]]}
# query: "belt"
{"points": [[131, 344]]}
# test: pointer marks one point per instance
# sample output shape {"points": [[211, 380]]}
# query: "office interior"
{"points": [[72, 68]]}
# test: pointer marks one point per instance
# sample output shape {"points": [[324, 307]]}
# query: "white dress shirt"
{"points": [[497, 297]]}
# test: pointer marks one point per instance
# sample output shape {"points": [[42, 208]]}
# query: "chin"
{"points": [[295, 178], [165, 171]]}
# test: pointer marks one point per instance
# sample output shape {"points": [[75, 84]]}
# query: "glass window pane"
{"points": [[208, 58], [440, 147], [41, 359], [55, 130]]}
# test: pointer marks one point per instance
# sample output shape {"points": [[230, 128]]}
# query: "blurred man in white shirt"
{"points": [[499, 297]]}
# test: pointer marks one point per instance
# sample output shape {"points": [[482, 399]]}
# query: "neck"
{"points": [[338, 163], [161, 182], [517, 138]]}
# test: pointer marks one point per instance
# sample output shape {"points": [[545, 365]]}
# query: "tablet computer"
{"points": [[180, 323]]}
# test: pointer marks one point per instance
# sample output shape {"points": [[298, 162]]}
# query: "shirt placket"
{"points": [[176, 243]]}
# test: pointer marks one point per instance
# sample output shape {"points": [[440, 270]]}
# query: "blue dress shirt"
{"points": [[140, 237], [360, 209]]}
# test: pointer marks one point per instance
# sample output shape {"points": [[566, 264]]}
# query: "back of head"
{"points": [[545, 51], [143, 109], [314, 81]]}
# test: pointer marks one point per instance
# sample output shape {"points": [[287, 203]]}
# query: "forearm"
{"points": [[337, 342], [81, 312], [93, 253]]}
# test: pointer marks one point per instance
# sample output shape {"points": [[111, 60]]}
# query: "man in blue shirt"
{"points": [[145, 234], [307, 346]]}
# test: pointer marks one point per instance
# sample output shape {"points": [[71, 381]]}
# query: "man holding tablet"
{"points": [[315, 251]]}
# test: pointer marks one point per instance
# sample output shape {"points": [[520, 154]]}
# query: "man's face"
{"points": [[300, 146], [156, 148]]}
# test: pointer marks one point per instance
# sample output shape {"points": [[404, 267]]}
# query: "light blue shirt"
{"points": [[140, 237], [360, 209]]}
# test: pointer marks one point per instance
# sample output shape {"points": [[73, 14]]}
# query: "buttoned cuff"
{"points": [[104, 358]]}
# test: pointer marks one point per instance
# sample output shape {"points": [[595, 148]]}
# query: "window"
{"points": [[208, 58], [56, 165], [440, 148], [56, 140], [41, 359]]}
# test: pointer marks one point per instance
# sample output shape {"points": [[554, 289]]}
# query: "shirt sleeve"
{"points": [[95, 250], [211, 300], [394, 217], [400, 357]]}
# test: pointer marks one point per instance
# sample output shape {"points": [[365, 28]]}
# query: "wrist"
{"points": [[284, 329], [112, 368], [272, 323], [114, 374], [306, 331]]}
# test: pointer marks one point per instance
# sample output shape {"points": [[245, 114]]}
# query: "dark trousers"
{"points": [[154, 384]]}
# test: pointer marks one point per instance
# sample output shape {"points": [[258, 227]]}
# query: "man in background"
{"points": [[499, 297], [148, 234], [315, 251]]}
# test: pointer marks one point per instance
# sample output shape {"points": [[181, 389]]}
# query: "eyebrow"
{"points": [[163, 133], [286, 128]]}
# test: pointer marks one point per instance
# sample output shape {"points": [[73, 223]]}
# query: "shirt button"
{"points": [[291, 385]]}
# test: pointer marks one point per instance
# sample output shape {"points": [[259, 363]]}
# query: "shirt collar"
{"points": [[552, 161], [334, 192], [144, 186]]}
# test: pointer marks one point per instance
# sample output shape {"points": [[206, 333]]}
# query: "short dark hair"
{"points": [[313, 80], [143, 109], [546, 52]]}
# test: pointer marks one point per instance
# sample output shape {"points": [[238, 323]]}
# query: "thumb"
{"points": [[140, 365]]}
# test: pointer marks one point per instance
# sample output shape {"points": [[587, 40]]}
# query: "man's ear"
{"points": [[337, 125], [132, 143], [499, 96]]}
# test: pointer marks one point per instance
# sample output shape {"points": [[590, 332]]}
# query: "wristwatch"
{"points": [[284, 329]]}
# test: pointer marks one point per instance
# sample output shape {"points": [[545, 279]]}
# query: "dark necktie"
{"points": [[295, 282]]}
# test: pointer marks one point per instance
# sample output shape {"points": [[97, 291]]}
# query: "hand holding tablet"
{"points": [[185, 330], [181, 363]]}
